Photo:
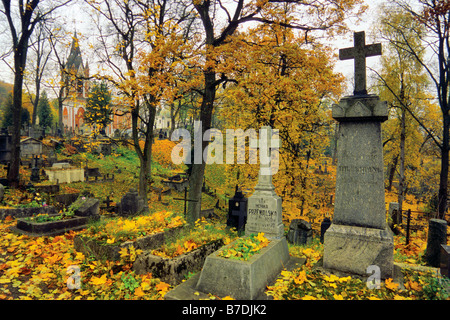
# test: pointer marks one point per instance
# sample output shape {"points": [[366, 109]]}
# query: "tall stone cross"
{"points": [[359, 52]]}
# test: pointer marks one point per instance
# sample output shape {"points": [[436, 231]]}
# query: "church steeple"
{"points": [[74, 61]]}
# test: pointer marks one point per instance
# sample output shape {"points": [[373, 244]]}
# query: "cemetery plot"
{"points": [[174, 270], [185, 253], [50, 225], [76, 217], [105, 239]]}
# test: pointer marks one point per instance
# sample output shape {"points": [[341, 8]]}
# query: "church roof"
{"points": [[74, 61]]}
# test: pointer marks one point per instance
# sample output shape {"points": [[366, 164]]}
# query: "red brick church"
{"points": [[76, 90]]}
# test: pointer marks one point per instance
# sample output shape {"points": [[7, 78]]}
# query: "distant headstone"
{"points": [[5, 148], [300, 232], [85, 207], [445, 260], [359, 236], [326, 223], [131, 204], [2, 192], [394, 213], [237, 211], [437, 235], [30, 147]]}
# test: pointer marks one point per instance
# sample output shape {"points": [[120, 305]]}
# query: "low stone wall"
{"points": [[110, 252], [25, 212], [174, 270], [65, 175]]}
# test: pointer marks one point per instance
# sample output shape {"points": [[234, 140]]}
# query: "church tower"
{"points": [[76, 88]]}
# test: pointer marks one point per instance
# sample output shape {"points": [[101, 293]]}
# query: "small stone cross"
{"points": [[359, 52]]}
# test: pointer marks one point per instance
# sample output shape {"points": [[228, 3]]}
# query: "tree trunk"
{"points": [[198, 169], [401, 179], [392, 169], [443, 183], [19, 65]]}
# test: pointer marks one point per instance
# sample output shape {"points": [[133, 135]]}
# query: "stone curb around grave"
{"points": [[25, 212], [174, 270], [110, 252]]}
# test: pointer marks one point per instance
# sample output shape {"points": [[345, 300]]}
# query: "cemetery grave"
{"points": [[101, 283], [137, 250]]}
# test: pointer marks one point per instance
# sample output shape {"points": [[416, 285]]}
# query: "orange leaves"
{"points": [[391, 285], [162, 288], [98, 280]]}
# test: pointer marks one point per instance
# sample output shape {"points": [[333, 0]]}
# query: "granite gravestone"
{"points": [[359, 236]]}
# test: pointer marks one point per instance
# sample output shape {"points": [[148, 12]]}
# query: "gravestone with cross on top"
{"points": [[359, 236], [264, 206]]}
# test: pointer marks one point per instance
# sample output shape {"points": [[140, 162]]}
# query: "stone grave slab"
{"points": [[64, 173], [51, 228], [243, 279], [437, 235]]}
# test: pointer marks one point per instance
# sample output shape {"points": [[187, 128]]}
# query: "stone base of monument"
{"points": [[352, 250], [242, 280]]}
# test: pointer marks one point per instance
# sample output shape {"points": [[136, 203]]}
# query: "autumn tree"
{"points": [[305, 16], [403, 84], [142, 55], [22, 20], [284, 82], [435, 18]]}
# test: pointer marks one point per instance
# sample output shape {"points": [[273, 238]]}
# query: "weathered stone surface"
{"points": [[264, 215], [359, 178], [360, 108], [64, 175], [66, 199], [300, 232], [131, 204], [173, 271], [437, 235], [243, 279], [90, 246], [352, 249], [2, 192], [264, 211], [50, 228], [86, 207], [25, 212]]}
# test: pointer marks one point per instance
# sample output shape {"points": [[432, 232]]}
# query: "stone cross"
{"points": [[266, 143], [359, 52]]}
